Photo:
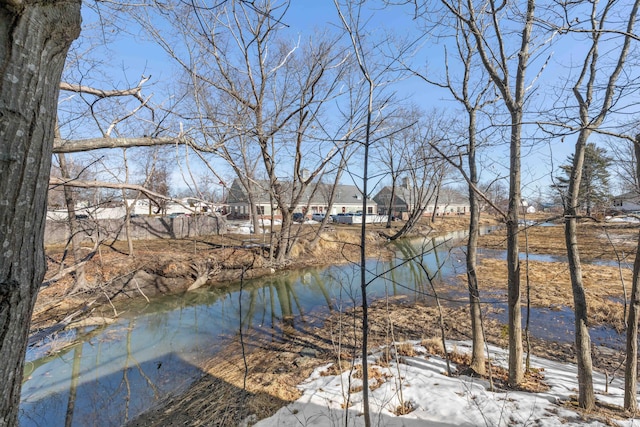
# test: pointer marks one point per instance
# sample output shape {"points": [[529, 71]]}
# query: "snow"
{"points": [[440, 400]]}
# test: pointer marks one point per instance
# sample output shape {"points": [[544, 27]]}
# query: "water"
{"points": [[118, 371]]}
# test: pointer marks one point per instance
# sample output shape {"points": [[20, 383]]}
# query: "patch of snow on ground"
{"points": [[624, 219], [439, 400], [240, 228]]}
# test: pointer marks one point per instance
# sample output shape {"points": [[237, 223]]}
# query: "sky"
{"points": [[132, 55], [439, 400]]}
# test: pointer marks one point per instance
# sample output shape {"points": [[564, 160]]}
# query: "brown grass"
{"points": [[376, 375], [433, 346], [404, 409], [596, 240], [337, 368], [551, 287], [405, 349]]}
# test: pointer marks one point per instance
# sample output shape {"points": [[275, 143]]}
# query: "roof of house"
{"points": [[404, 195]]}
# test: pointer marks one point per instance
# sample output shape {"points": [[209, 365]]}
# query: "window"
{"points": [[369, 209], [260, 210]]}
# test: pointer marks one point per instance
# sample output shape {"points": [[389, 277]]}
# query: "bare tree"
{"points": [[595, 97], [351, 23], [502, 51], [390, 152], [472, 91], [373, 75], [278, 91], [74, 228], [625, 164], [425, 171], [631, 367]]}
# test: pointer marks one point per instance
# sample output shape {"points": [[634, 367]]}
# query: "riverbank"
{"points": [[237, 389], [160, 267]]}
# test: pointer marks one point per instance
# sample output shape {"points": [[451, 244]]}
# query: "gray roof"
{"points": [[404, 195]]}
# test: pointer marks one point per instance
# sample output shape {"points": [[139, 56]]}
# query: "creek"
{"points": [[111, 374]]}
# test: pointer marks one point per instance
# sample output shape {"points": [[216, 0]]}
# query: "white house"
{"points": [[627, 202]]}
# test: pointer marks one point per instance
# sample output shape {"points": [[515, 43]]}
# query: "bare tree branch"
{"points": [[101, 93], [75, 146]]}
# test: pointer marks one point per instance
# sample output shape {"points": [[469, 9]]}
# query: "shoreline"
{"points": [[277, 367]]}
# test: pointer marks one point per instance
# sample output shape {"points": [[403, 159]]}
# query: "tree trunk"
{"points": [[391, 201], [516, 370], [586, 396], [631, 368], [477, 356], [255, 220], [80, 280], [35, 38]]}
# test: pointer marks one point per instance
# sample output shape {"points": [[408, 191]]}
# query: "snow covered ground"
{"points": [[438, 400]]}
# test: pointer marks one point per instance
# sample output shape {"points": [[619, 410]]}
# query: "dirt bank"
{"points": [[171, 266]]}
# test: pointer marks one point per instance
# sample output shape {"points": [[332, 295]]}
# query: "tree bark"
{"points": [[35, 38], [477, 354], [516, 368], [74, 229], [586, 396], [631, 368], [82, 145]]}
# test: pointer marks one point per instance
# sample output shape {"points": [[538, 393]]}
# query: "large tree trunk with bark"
{"points": [[35, 38]]}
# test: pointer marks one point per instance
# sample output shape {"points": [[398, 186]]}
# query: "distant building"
{"points": [[447, 202], [348, 198], [136, 207], [627, 202]]}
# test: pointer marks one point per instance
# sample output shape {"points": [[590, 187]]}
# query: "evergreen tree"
{"points": [[594, 186]]}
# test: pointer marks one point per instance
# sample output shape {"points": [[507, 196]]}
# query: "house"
{"points": [[446, 202], [348, 198], [626, 202]]}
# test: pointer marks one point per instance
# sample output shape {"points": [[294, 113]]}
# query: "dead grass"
{"points": [[275, 367], [337, 368], [551, 287], [433, 345], [405, 349], [376, 376], [404, 409], [596, 240]]}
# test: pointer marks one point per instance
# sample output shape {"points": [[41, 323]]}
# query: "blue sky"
{"points": [[131, 56]]}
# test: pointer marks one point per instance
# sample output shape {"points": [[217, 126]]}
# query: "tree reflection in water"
{"points": [[156, 348]]}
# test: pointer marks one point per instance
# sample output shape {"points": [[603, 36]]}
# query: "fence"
{"points": [[142, 228]]}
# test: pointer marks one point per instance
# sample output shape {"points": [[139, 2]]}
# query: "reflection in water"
{"points": [[118, 371], [73, 388]]}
